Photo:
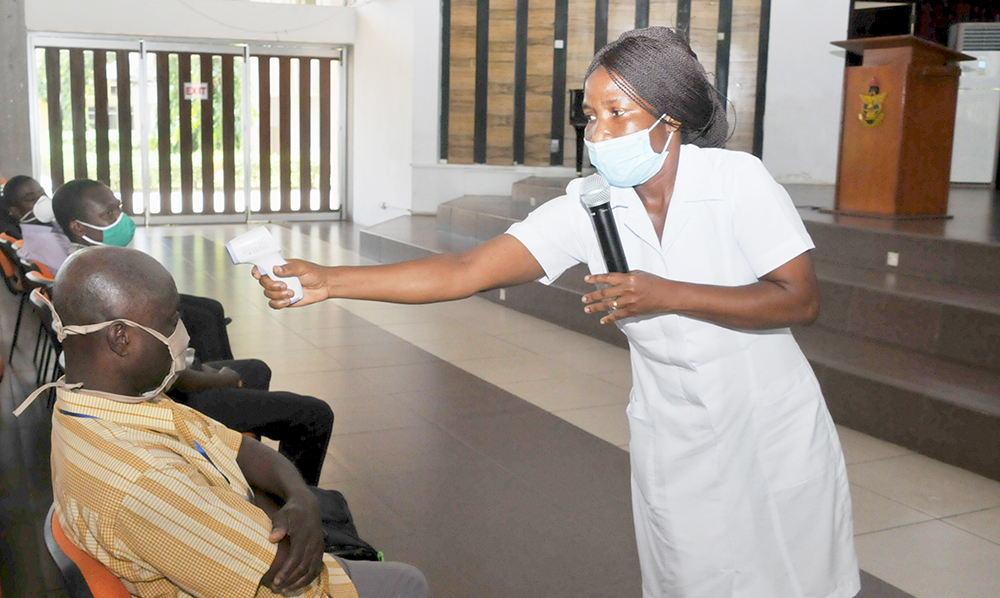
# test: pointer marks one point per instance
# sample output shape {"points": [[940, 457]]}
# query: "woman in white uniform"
{"points": [[739, 486]]}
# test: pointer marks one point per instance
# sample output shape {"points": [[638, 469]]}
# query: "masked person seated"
{"points": [[28, 213], [234, 392], [162, 495], [90, 214]]}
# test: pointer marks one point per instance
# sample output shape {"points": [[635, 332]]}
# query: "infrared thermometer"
{"points": [[259, 248]]}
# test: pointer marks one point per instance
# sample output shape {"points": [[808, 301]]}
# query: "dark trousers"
{"points": [[205, 320], [302, 425]]}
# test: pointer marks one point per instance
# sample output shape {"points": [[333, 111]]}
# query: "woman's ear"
{"points": [[118, 338], [672, 124]]}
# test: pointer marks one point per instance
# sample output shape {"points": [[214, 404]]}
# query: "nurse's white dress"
{"points": [[739, 487]]}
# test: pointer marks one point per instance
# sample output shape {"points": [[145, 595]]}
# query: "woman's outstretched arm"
{"points": [[502, 261]]}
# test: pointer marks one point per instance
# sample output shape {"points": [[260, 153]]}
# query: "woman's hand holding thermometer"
{"points": [[259, 248]]}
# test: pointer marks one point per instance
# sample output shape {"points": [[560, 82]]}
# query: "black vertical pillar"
{"points": [[641, 13], [600, 24], [684, 18], [758, 116], [559, 82], [481, 109], [722, 46], [520, 77], [445, 77]]}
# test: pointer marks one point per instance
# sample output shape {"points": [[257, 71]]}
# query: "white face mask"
{"points": [[177, 344], [40, 212]]}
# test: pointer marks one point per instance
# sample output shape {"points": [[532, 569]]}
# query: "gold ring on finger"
{"points": [[614, 304]]}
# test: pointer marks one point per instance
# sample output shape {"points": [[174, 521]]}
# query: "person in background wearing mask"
{"points": [[173, 502], [233, 391], [31, 208], [739, 485]]}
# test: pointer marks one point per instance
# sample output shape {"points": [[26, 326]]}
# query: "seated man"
{"points": [[44, 241], [234, 392], [159, 493]]}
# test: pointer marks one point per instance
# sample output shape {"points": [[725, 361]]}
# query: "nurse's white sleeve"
{"points": [[767, 226], [552, 234]]}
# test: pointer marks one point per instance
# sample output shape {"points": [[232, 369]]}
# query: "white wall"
{"points": [[207, 19], [383, 109], [804, 88]]}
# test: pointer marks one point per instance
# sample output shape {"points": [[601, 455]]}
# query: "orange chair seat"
{"points": [[102, 582]]}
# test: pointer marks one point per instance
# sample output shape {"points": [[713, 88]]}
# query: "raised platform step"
{"points": [[929, 316], [938, 408], [537, 190]]}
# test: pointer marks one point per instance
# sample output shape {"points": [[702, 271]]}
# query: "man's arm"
{"points": [[191, 379], [297, 528]]}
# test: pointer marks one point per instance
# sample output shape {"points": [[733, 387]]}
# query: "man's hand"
{"points": [[206, 378], [227, 376], [298, 531], [296, 526], [312, 276]]}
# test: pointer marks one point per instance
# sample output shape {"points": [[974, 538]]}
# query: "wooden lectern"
{"points": [[897, 127]]}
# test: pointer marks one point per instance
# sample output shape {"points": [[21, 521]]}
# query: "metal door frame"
{"points": [[245, 50]]}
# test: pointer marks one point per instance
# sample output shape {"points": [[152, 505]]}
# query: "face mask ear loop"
{"points": [[91, 241], [60, 383]]}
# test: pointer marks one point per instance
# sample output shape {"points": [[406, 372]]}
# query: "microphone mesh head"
{"points": [[595, 191]]}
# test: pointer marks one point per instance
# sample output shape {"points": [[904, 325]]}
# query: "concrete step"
{"points": [[535, 191], [952, 261], [930, 316], [939, 408]]}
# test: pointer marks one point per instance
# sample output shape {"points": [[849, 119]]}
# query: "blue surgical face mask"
{"points": [[629, 160]]}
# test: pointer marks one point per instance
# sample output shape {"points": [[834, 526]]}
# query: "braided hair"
{"points": [[658, 70]]}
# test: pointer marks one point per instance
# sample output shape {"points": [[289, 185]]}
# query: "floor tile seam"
{"points": [[978, 535], [931, 517], [622, 404], [923, 511], [901, 526], [964, 471]]}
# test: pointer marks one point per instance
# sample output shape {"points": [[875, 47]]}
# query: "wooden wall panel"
{"points": [[538, 99], [462, 90], [743, 73], [621, 17], [663, 13], [704, 33], [500, 106], [704, 25]]}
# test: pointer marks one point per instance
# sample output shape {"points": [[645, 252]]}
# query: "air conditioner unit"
{"points": [[977, 120]]}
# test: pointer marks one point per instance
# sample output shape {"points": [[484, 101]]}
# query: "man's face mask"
{"points": [[177, 345], [119, 233]]}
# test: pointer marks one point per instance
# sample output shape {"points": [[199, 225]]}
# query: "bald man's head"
{"points": [[106, 283]]}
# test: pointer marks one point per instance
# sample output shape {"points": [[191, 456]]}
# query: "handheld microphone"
{"points": [[595, 194]]}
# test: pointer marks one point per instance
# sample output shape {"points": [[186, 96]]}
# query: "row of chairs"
{"points": [[28, 280]]}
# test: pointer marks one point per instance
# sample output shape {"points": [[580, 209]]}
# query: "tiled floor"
{"points": [[489, 448]]}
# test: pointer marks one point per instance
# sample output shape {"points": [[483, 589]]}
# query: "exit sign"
{"points": [[196, 91]]}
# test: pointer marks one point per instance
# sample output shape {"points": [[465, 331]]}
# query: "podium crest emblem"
{"points": [[871, 114]]}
